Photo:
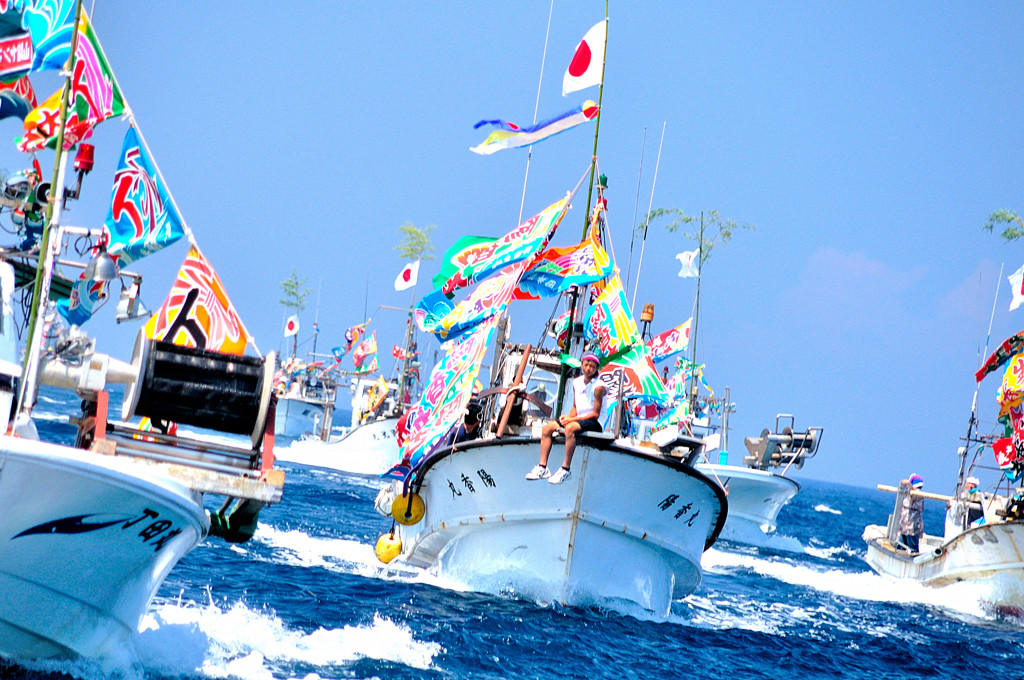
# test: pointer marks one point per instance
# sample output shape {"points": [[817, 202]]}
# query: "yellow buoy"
{"points": [[409, 509], [388, 547]]}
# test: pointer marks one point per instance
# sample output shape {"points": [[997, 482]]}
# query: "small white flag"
{"points": [[407, 278], [1017, 288], [291, 326], [585, 69], [689, 261]]}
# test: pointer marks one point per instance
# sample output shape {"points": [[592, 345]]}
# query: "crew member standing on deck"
{"points": [[912, 514], [588, 398]]}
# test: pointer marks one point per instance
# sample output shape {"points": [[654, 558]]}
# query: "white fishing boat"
{"points": [[90, 528], [306, 408], [631, 523], [367, 446], [760, 488], [983, 535]]}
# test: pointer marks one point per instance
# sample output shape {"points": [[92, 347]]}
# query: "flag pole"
{"points": [[44, 268], [573, 298], [696, 316]]}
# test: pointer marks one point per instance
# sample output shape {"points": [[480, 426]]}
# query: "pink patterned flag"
{"points": [[671, 342]]}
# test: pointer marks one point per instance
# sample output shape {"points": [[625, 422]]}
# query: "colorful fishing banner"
{"points": [[640, 379], [17, 99], [446, 393], [142, 217], [370, 367], [558, 269], [36, 35], [352, 336], [400, 354], [435, 313], [465, 252], [365, 350], [671, 342], [1009, 347], [512, 136], [198, 312], [375, 396], [94, 97], [519, 244], [141, 221], [608, 322]]}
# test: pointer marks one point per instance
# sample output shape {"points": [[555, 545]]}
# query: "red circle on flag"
{"points": [[291, 325], [406, 274], [580, 61]]}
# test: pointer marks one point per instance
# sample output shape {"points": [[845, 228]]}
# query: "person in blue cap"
{"points": [[588, 398], [912, 514]]}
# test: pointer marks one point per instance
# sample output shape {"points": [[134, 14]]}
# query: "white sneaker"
{"points": [[560, 476], [538, 472]]}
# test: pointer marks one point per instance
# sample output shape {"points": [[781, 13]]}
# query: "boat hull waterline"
{"points": [[990, 551], [370, 449], [755, 498], [629, 525], [85, 542]]}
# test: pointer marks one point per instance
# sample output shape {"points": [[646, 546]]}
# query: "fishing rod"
{"points": [[647, 222], [973, 420], [636, 206], [536, 108]]}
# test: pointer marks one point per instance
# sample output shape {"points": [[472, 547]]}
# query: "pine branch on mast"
{"points": [[415, 246]]}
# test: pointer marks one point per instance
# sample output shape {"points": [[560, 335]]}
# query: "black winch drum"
{"points": [[199, 387]]}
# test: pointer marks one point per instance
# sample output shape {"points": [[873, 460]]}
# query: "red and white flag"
{"points": [[291, 326], [1017, 288], [407, 278], [587, 65]]}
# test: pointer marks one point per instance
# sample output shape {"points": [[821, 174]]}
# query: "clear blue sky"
{"points": [[868, 142]]}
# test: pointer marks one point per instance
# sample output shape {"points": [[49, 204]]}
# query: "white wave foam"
{"points": [[966, 598], [821, 507], [180, 639]]}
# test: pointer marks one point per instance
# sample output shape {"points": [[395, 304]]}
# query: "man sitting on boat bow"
{"points": [[588, 398]]}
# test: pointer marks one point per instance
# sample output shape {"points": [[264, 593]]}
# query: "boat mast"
{"points": [[571, 335], [47, 251], [410, 331], [696, 316], [973, 420]]}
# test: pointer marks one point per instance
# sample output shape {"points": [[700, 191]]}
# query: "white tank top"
{"points": [[583, 395]]}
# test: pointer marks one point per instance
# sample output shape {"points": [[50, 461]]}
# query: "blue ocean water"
{"points": [[306, 598]]}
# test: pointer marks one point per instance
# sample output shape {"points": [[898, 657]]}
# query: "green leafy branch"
{"points": [[415, 243], [294, 294], [717, 230], [1011, 222]]}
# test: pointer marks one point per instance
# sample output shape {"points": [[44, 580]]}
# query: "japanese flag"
{"points": [[585, 69], [291, 326], [689, 261], [407, 278], [1017, 288]]}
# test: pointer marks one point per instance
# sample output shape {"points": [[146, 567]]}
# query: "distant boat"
{"points": [[760, 488], [983, 537]]}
